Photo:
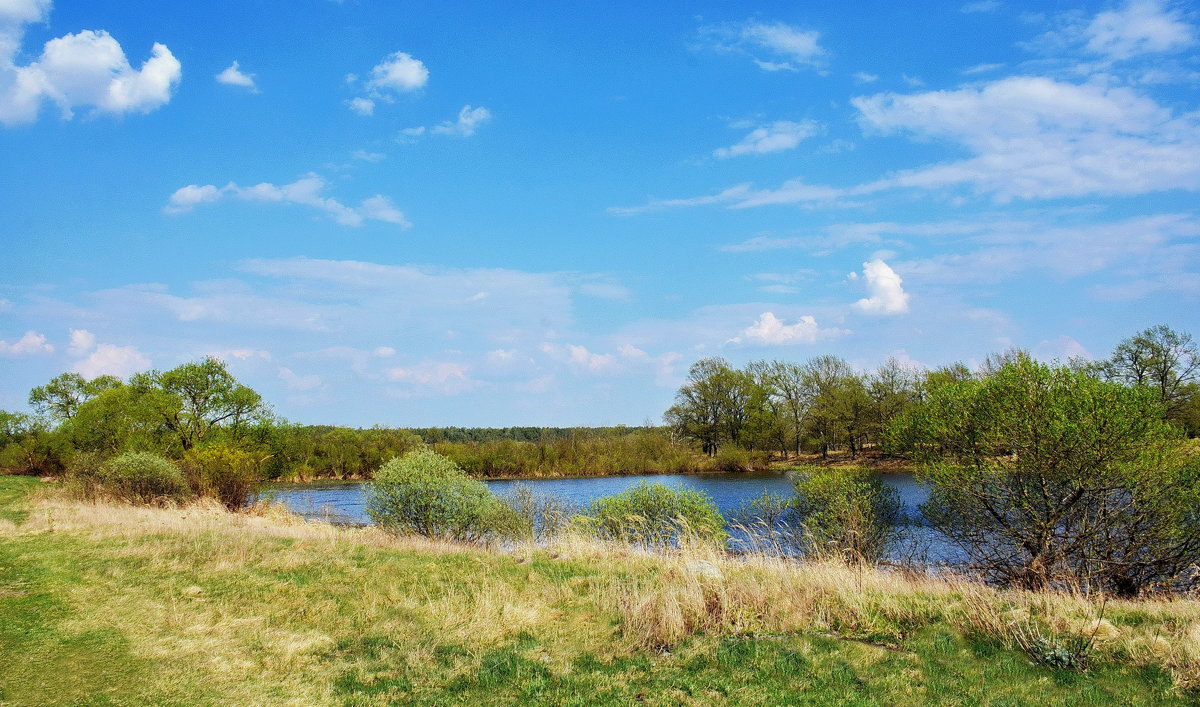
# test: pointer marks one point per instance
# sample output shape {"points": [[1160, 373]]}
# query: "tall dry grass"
{"points": [[657, 599]]}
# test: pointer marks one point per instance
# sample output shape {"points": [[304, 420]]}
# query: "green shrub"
{"points": [[846, 513], [547, 515], [427, 494], [141, 477], [225, 473], [656, 515]]}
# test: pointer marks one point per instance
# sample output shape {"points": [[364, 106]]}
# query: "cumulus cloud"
{"points": [[306, 191], [771, 330], [397, 73], [1140, 27], [774, 46], [774, 137], [233, 76], [887, 296], [469, 119], [32, 343], [109, 360], [362, 106], [86, 69], [82, 341]]}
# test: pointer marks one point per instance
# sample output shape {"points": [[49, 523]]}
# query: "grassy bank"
{"points": [[103, 604]]}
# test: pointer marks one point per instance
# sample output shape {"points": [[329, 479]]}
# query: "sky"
{"points": [[493, 214]]}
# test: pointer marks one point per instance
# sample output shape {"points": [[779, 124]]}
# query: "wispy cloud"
{"points": [[306, 191]]}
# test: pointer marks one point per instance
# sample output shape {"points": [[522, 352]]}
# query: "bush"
{"points": [[846, 513], [1046, 476], [425, 493], [141, 477], [656, 515], [546, 514], [225, 473]]}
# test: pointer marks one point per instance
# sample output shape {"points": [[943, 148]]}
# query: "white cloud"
{"points": [[1031, 138], [469, 120], [362, 106], [770, 330], [243, 354], [30, 344], [82, 341], [305, 191], [365, 156], [579, 358], [864, 77], [384, 352], [1141, 27], [432, 377], [786, 46], [234, 76], [884, 285], [297, 382], [87, 69], [1035, 137], [110, 360], [774, 137], [398, 72]]}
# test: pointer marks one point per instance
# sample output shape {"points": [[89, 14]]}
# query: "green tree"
{"points": [[61, 397], [195, 399], [713, 406], [1158, 358], [1040, 473]]}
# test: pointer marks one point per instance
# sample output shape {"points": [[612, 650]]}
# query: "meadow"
{"points": [[105, 603]]}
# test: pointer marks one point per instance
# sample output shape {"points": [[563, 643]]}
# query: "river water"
{"points": [[345, 501]]}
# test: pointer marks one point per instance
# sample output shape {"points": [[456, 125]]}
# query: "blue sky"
{"points": [[535, 213]]}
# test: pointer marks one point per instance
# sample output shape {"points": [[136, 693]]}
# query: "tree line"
{"points": [[823, 404]]}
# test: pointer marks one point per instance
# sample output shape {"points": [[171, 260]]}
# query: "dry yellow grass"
{"points": [[210, 602]]}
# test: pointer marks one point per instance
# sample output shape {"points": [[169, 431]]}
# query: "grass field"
{"points": [[104, 604]]}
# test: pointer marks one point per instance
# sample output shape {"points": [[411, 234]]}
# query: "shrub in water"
{"points": [[140, 477], [847, 513], [546, 514], [427, 494], [225, 473], [656, 515]]}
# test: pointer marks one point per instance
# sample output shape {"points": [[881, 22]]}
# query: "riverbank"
{"points": [[105, 603]]}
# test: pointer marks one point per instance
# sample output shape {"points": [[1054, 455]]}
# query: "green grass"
{"points": [[123, 606]]}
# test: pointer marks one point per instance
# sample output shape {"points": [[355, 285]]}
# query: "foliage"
{"points": [[846, 513], [1042, 473], [223, 472], [61, 397], [425, 493], [193, 400], [545, 514], [1163, 360], [656, 515], [578, 454], [139, 477]]}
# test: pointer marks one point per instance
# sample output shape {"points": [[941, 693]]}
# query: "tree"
{"points": [[1040, 473], [713, 406], [824, 380], [194, 399], [1158, 358], [61, 397]]}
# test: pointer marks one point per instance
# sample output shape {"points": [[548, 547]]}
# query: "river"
{"points": [[345, 501]]}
